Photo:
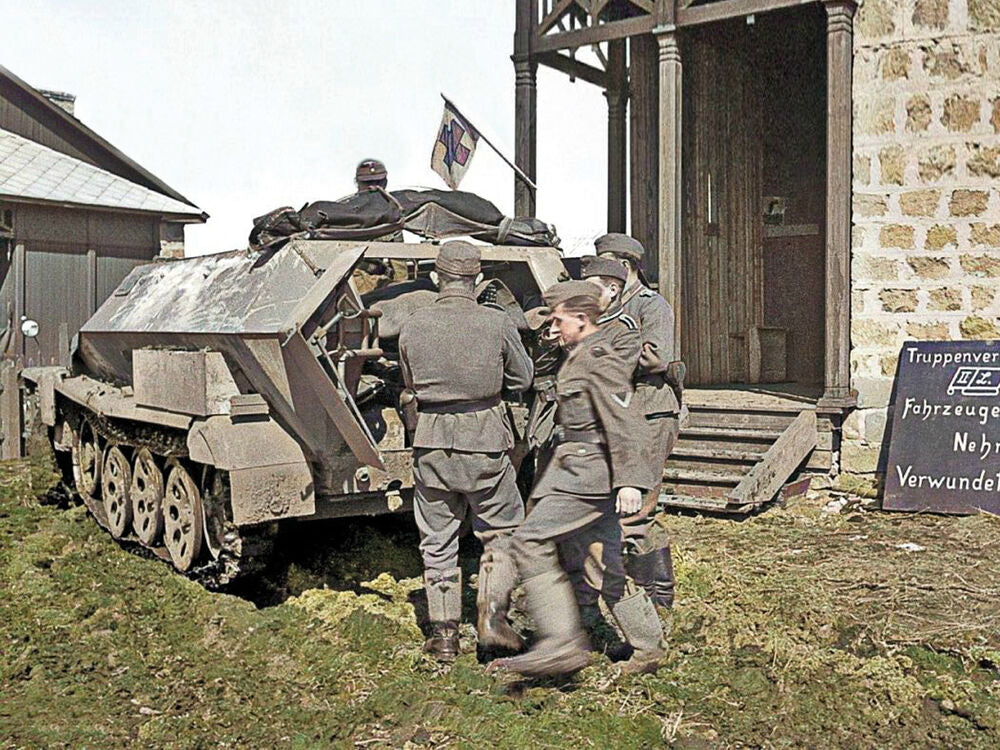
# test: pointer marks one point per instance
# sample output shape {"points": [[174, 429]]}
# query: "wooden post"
{"points": [[91, 281], [644, 108], [669, 239], [617, 96], [525, 105], [19, 270], [839, 64]]}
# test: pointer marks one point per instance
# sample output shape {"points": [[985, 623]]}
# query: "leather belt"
{"points": [[581, 436], [654, 379], [460, 407]]}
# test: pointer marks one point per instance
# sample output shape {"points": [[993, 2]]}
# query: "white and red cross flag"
{"points": [[454, 147]]}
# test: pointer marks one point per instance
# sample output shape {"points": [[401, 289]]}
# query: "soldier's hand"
{"points": [[629, 501]]}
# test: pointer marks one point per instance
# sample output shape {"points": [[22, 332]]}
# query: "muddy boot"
{"points": [[497, 576], [444, 609], [637, 618], [654, 571], [562, 647]]}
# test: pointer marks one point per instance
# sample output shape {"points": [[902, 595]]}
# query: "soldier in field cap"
{"points": [[456, 356], [594, 475], [658, 383], [371, 174]]}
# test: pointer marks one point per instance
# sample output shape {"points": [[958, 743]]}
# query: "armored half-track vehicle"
{"points": [[212, 398]]}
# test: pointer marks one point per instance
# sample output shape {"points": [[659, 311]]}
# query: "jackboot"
{"points": [[444, 610], [562, 646], [497, 577], [637, 618], [654, 571]]}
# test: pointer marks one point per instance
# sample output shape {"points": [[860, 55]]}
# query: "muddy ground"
{"points": [[795, 628]]}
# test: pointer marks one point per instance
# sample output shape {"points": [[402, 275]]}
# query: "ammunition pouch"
{"points": [[408, 410], [675, 373]]}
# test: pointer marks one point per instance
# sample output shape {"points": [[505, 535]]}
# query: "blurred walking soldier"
{"points": [[595, 473], [456, 357], [658, 384]]}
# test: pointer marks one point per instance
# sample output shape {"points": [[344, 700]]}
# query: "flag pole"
{"points": [[512, 165]]}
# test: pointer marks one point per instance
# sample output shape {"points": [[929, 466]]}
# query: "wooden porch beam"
{"points": [[617, 96], [602, 32], [839, 71], [668, 253], [553, 18], [525, 105], [726, 9], [574, 68]]}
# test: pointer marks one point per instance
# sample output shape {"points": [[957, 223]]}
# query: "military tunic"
{"points": [[655, 398], [595, 456], [457, 356]]}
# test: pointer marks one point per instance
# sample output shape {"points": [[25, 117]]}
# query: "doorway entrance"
{"points": [[754, 200]]}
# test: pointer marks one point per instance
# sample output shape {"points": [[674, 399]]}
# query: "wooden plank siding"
{"points": [[722, 262]]}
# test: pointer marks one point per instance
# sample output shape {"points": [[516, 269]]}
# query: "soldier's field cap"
{"points": [[593, 265], [620, 244], [459, 259], [537, 317], [566, 290], [370, 170]]}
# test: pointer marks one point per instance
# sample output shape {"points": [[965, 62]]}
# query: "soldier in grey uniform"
{"points": [[594, 475], [657, 377], [456, 356]]}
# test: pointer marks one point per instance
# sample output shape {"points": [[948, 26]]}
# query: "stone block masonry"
{"points": [[926, 193]]}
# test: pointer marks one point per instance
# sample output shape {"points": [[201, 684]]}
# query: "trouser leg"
{"points": [[438, 514], [636, 527], [562, 645], [497, 510]]}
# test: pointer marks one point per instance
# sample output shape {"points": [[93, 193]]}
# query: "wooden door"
{"points": [[722, 227]]}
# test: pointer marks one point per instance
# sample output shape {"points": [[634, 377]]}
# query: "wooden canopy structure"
{"points": [[637, 51]]}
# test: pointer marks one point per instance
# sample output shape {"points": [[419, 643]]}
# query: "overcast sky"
{"points": [[246, 105]]}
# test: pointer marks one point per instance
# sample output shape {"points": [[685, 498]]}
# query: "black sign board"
{"points": [[944, 452]]}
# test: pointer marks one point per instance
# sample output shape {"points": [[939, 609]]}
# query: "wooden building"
{"points": [[733, 130], [76, 215]]}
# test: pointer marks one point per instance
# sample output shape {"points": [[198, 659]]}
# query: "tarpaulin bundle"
{"points": [[378, 214]]}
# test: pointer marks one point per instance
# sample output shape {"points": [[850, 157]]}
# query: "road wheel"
{"points": [[116, 478], [146, 494], [183, 519], [87, 461]]}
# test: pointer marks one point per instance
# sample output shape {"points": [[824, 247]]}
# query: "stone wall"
{"points": [[926, 219]]}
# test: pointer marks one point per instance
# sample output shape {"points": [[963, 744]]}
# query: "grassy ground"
{"points": [[795, 628]]}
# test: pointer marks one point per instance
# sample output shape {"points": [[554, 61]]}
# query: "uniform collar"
{"points": [[613, 312], [457, 294], [599, 336], [632, 291]]}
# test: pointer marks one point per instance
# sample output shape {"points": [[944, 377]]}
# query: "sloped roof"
{"points": [[29, 170], [80, 136]]}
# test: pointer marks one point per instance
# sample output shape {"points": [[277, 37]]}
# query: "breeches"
{"points": [[583, 529], [480, 485]]}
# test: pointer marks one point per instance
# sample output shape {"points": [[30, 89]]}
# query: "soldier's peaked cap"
{"points": [[567, 290], [459, 259], [370, 170], [593, 265], [620, 244]]}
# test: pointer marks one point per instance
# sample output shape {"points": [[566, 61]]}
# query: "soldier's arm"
{"points": [[656, 324], [518, 369], [404, 365], [625, 429], [627, 344]]}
